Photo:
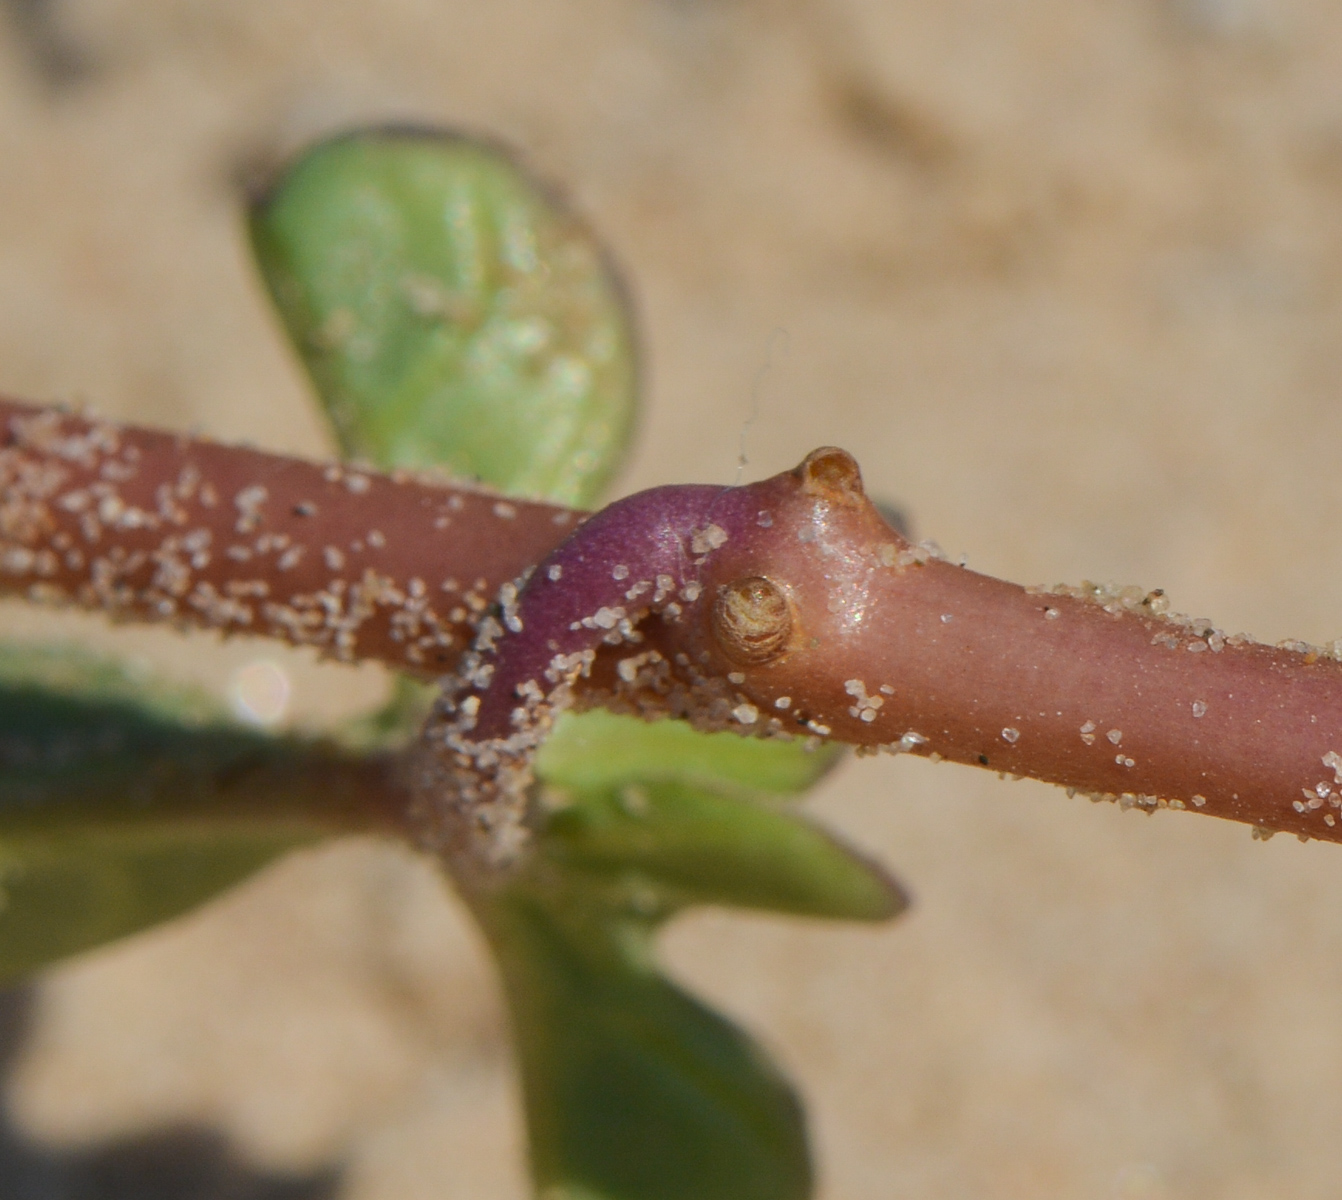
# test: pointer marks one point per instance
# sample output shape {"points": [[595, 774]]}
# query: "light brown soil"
{"points": [[1066, 276]]}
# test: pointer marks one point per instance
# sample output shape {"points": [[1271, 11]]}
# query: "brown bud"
{"points": [[832, 474], [752, 620]]}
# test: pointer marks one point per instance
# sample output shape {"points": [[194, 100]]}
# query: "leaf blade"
{"points": [[451, 312], [696, 845], [634, 1090]]}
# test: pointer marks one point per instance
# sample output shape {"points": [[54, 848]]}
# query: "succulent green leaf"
{"points": [[452, 312], [692, 812], [684, 844], [123, 803], [634, 1090]]}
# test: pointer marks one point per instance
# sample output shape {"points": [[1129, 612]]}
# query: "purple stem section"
{"points": [[642, 557]]}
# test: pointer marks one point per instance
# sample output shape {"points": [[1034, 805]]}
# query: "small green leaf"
{"points": [[688, 809], [691, 845], [451, 312], [634, 1090]]}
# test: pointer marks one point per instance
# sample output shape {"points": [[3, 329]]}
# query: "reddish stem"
{"points": [[803, 613], [1102, 692], [152, 526], [797, 610]]}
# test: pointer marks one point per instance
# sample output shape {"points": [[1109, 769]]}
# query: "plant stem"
{"points": [[790, 607], [785, 607], [153, 526], [1093, 691], [318, 789]]}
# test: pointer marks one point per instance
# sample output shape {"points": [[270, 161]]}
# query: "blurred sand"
{"points": [[1066, 276]]}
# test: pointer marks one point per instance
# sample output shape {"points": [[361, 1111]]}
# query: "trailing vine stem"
{"points": [[782, 608]]}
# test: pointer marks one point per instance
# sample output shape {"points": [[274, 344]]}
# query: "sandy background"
{"points": [[1066, 275]]}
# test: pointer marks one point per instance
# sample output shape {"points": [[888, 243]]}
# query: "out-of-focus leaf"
{"points": [[123, 803], [634, 1090], [61, 893], [452, 313]]}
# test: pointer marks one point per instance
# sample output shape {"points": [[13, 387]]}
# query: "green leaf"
{"points": [[123, 803], [451, 312], [596, 749], [61, 893], [683, 844], [689, 810], [634, 1090]]}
